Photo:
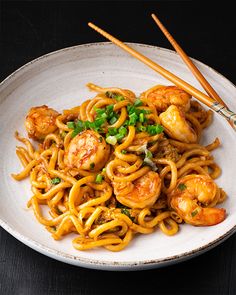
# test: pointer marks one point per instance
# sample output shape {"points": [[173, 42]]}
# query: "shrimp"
{"points": [[191, 193], [164, 96], [40, 121], [87, 151], [176, 126], [144, 191]]}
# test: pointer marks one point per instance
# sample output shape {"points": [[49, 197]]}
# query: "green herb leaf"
{"points": [[55, 180], [124, 152], [182, 186]]}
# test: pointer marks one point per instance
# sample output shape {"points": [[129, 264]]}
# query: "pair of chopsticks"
{"points": [[213, 101]]}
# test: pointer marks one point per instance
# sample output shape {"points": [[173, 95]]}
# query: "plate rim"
{"points": [[93, 263]]}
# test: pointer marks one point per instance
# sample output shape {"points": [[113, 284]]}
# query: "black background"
{"points": [[206, 30]]}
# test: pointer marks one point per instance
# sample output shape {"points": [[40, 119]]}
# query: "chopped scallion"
{"points": [[55, 180], [182, 186], [111, 139], [99, 179]]}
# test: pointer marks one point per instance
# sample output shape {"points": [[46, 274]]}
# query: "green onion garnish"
{"points": [[92, 165], [148, 154], [119, 97], [194, 213], [154, 129], [127, 213], [113, 120], [111, 140], [55, 180], [71, 125], [99, 179], [138, 102], [141, 117], [182, 186]]}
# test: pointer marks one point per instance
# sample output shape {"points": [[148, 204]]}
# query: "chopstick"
{"points": [[205, 84], [210, 102]]}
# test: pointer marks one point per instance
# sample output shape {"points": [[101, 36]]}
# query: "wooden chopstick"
{"points": [[210, 102], [205, 84]]}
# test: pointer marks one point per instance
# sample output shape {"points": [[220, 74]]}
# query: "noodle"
{"points": [[114, 166]]}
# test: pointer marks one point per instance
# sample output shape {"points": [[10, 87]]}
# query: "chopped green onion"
{"points": [[111, 139], [119, 136], [123, 130], [113, 120], [119, 97], [92, 165], [103, 170], [141, 128], [112, 131], [154, 129], [141, 117], [99, 179], [104, 115], [138, 102], [127, 213], [55, 180], [109, 108], [194, 213], [148, 154], [71, 125], [182, 186], [124, 152]]}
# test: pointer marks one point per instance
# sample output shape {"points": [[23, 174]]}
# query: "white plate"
{"points": [[58, 79]]}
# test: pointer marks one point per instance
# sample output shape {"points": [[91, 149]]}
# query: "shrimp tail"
{"points": [[212, 216]]}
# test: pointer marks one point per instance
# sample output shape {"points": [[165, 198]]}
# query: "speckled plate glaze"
{"points": [[58, 79]]}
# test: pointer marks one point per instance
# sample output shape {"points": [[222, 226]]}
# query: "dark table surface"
{"points": [[30, 29]]}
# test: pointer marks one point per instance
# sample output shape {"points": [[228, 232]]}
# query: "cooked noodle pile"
{"points": [[118, 165]]}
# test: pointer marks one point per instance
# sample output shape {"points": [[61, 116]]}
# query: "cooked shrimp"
{"points": [[87, 151], [191, 193], [164, 96], [145, 191], [40, 121], [176, 126]]}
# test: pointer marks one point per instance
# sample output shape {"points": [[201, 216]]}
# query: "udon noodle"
{"points": [[118, 165]]}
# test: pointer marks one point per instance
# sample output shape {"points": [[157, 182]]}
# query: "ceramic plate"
{"points": [[58, 79]]}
